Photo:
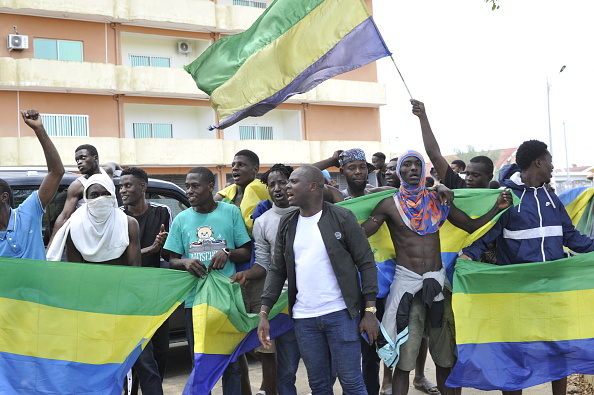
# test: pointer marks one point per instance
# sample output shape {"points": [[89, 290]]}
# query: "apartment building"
{"points": [[109, 73]]}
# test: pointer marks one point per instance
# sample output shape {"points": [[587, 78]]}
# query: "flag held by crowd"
{"points": [[290, 49], [72, 328], [579, 203], [474, 202], [223, 330], [522, 325]]}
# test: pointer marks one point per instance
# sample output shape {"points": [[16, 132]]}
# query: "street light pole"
{"points": [[549, 113], [566, 156]]}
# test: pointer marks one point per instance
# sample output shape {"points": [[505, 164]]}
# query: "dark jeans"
{"points": [[369, 359], [150, 366], [287, 362], [231, 375], [327, 342]]}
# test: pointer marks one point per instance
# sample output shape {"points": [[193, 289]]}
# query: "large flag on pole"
{"points": [[73, 328], [291, 48], [522, 325]]}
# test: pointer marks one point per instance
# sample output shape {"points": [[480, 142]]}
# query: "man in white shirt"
{"points": [[322, 250]]}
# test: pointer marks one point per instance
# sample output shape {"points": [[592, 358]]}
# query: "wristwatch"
{"points": [[372, 310], [227, 251]]}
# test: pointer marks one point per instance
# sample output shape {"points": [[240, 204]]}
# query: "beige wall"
{"points": [[164, 32], [98, 38], [164, 101], [367, 73], [342, 123]]}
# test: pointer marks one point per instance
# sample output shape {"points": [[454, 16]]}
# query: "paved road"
{"points": [[179, 367]]}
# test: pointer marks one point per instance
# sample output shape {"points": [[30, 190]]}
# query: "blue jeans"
{"points": [[327, 342], [287, 362], [369, 359], [150, 365], [231, 375], [148, 372]]}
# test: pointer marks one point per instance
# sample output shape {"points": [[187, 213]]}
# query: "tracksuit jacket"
{"points": [[533, 231]]}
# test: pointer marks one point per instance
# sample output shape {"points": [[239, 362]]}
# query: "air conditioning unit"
{"points": [[184, 47], [18, 42]]}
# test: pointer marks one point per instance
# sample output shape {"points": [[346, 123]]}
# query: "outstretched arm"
{"points": [[460, 219], [431, 146], [376, 219], [55, 168]]}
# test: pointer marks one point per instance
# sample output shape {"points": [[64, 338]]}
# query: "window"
{"points": [[64, 125], [154, 130], [146, 60], [249, 3], [255, 133], [58, 49]]}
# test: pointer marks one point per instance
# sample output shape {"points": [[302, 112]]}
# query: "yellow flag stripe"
{"points": [[32, 329], [222, 337], [523, 317]]}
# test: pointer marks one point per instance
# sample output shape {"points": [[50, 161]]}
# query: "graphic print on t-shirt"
{"points": [[207, 245]]}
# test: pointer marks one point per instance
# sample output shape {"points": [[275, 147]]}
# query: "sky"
{"points": [[482, 74]]}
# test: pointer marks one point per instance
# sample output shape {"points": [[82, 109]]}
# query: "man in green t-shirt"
{"points": [[212, 236]]}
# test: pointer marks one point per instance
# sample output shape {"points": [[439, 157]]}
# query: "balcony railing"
{"points": [[249, 3]]}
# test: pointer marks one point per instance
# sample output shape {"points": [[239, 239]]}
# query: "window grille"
{"points": [[146, 60], [64, 125], [256, 133], [250, 3], [153, 130]]}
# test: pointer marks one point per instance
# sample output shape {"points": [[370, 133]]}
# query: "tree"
{"points": [[471, 153], [494, 4]]}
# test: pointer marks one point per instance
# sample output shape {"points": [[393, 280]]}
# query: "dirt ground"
{"points": [[179, 368]]}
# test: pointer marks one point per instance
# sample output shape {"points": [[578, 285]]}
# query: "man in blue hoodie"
{"points": [[537, 229]]}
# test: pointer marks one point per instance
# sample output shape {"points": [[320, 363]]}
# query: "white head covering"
{"points": [[98, 229]]}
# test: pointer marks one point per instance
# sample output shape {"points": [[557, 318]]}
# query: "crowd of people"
{"points": [[281, 231]]}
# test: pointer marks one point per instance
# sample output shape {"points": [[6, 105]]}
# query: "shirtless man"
{"points": [[414, 217], [87, 161]]}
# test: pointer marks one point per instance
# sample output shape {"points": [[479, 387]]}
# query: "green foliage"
{"points": [[471, 152], [494, 4]]}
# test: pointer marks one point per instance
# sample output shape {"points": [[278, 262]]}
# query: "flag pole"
{"points": [[402, 78]]}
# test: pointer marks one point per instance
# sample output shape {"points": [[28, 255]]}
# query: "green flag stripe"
{"points": [[274, 22], [474, 202], [586, 223], [217, 292], [94, 288], [537, 277]]}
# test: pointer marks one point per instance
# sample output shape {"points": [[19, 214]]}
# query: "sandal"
{"points": [[427, 387]]}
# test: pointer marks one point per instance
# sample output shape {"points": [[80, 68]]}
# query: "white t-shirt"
{"points": [[318, 292]]}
